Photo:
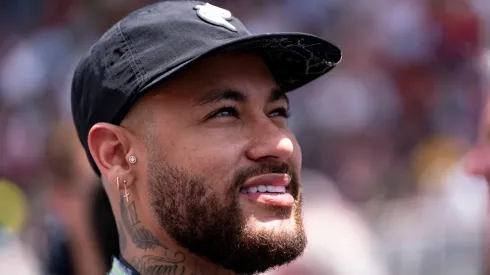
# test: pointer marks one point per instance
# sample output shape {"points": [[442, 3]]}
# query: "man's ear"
{"points": [[110, 146]]}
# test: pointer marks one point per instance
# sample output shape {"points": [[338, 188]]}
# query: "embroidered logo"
{"points": [[215, 15]]}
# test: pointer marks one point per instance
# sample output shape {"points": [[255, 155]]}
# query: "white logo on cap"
{"points": [[215, 15]]}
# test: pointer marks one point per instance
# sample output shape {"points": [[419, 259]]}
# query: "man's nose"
{"points": [[269, 142]]}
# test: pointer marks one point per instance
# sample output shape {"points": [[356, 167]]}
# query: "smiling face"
{"points": [[222, 166]]}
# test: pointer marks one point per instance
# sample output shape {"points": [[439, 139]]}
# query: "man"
{"points": [[183, 114], [477, 160]]}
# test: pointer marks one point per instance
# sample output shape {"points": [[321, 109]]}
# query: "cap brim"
{"points": [[294, 59]]}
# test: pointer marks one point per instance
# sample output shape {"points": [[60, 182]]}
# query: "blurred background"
{"points": [[383, 136]]}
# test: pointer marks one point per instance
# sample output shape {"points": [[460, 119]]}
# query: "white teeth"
{"points": [[280, 189], [262, 188]]}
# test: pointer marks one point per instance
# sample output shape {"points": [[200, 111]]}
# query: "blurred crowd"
{"points": [[383, 135]]}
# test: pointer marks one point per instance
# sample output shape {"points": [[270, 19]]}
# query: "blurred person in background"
{"points": [[477, 160], [72, 245], [183, 113], [104, 226], [16, 257]]}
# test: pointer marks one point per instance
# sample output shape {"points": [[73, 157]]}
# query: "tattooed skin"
{"points": [[122, 237], [154, 265], [144, 239], [140, 236]]}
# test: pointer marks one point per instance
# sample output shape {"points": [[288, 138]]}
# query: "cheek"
{"points": [[216, 164]]}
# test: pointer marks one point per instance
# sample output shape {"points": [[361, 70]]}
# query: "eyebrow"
{"points": [[216, 96]]}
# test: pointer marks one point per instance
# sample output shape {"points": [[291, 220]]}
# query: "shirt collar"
{"points": [[121, 267]]}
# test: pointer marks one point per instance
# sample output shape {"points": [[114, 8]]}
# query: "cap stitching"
{"points": [[131, 45], [135, 70]]}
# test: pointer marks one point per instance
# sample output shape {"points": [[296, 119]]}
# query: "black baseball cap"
{"points": [[155, 42]]}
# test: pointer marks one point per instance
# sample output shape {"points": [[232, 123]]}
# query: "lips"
{"points": [[268, 189]]}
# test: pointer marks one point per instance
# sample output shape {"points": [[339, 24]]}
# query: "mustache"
{"points": [[243, 175]]}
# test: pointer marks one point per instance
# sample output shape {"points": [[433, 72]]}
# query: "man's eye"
{"points": [[280, 112], [225, 112]]}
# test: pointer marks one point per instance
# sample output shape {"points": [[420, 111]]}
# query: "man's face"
{"points": [[219, 137]]}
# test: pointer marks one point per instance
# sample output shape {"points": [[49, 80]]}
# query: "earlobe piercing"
{"points": [[132, 159]]}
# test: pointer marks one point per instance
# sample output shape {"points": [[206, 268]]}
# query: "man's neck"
{"points": [[168, 260], [149, 264]]}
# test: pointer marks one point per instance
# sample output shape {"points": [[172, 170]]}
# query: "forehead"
{"points": [[245, 72]]}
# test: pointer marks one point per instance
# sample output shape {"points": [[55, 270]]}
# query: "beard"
{"points": [[213, 226]]}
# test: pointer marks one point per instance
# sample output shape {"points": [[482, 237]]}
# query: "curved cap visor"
{"points": [[293, 58]]}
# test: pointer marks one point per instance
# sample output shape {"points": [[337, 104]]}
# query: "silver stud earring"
{"points": [[132, 159]]}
